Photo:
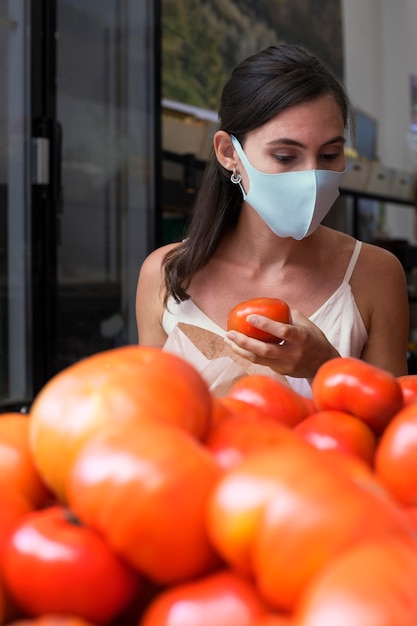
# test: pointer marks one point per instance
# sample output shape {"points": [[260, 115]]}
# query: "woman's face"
{"points": [[304, 137]]}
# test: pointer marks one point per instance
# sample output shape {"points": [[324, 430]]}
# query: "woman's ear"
{"points": [[225, 152]]}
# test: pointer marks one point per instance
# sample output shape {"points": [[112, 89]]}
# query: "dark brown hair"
{"points": [[259, 88]]}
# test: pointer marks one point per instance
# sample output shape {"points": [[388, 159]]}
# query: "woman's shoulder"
{"points": [[380, 257], [153, 262], [371, 255]]}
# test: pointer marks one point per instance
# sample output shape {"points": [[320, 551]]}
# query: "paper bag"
{"points": [[211, 356]]}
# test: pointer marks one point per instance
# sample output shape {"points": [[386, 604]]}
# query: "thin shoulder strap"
{"points": [[352, 261]]}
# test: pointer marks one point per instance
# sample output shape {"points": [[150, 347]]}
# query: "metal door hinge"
{"points": [[40, 161]]}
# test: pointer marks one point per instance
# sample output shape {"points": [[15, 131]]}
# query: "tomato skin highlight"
{"points": [[273, 308], [359, 388], [337, 430], [53, 565]]}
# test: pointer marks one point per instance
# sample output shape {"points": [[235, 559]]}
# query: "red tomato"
{"points": [[408, 384], [276, 399], [145, 489], [123, 385], [52, 564], [396, 456], [249, 429], [219, 412], [371, 583], [220, 599], [341, 431], [354, 386], [273, 308], [16, 463]]}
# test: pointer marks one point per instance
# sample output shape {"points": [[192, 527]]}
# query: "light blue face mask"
{"points": [[293, 204]]}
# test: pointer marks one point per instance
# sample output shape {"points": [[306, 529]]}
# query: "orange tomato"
{"points": [[371, 583], [273, 619], [340, 431], [123, 385], [145, 489], [220, 599], [13, 507], [273, 397], [354, 386], [16, 463], [52, 620], [396, 456], [273, 308], [249, 429], [290, 510], [315, 514], [235, 507]]}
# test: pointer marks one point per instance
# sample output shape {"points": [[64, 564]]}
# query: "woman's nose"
{"points": [[312, 163]]}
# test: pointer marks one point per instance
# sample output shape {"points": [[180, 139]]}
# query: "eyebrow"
{"points": [[292, 142]]}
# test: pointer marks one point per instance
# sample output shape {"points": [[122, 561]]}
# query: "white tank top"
{"points": [[338, 318]]}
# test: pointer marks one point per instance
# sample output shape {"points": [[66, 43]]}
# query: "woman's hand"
{"points": [[300, 349]]}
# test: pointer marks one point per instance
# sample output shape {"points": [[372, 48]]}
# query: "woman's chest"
{"points": [[216, 294]]}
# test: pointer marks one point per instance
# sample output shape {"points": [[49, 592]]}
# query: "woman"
{"points": [[256, 232]]}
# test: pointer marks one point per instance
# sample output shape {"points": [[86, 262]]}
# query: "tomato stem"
{"points": [[71, 517]]}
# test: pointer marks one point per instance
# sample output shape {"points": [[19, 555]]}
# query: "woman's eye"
{"points": [[284, 158], [330, 157]]}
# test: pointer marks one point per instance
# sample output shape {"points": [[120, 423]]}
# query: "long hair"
{"points": [[262, 86]]}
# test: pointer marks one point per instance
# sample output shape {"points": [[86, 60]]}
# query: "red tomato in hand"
{"points": [[273, 308], [52, 564]]}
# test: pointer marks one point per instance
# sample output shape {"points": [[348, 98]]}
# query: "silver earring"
{"points": [[235, 177]]}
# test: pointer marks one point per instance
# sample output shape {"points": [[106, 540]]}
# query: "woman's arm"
{"points": [[149, 299], [382, 293]]}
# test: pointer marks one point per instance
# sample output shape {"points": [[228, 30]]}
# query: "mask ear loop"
{"points": [[235, 177]]}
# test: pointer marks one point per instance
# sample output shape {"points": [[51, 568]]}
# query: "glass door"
{"points": [[15, 205], [79, 182], [107, 102]]}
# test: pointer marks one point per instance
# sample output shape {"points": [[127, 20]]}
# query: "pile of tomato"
{"points": [[132, 496]]}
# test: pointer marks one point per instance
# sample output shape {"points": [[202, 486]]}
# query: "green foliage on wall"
{"points": [[203, 40]]}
